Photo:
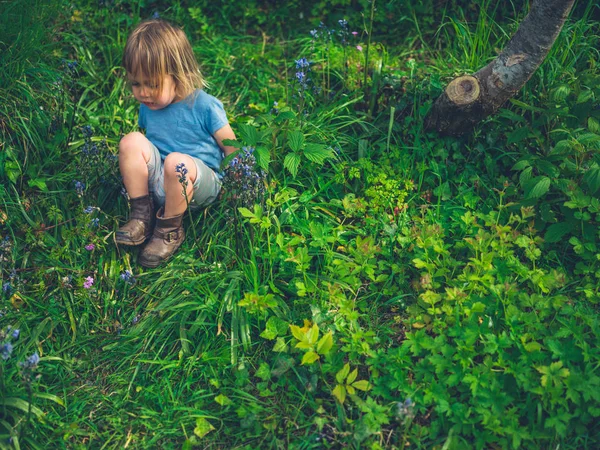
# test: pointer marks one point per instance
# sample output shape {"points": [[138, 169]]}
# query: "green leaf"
{"points": [[297, 332], [520, 165], [296, 141], [203, 427], [317, 153], [352, 376], [39, 183], [592, 179], [280, 346], [325, 344], [313, 334], [284, 115], [518, 135], [339, 392], [536, 187], [223, 400], [585, 96], [556, 232], [291, 163], [232, 143], [362, 385], [274, 327], [343, 373], [245, 212], [593, 125], [263, 372], [249, 134], [263, 157], [309, 357]]}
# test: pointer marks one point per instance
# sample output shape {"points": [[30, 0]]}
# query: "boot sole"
{"points": [[152, 264], [131, 242]]}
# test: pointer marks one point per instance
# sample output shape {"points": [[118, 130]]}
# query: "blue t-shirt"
{"points": [[187, 127]]}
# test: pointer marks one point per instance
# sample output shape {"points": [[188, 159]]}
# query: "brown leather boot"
{"points": [[167, 237], [141, 222]]}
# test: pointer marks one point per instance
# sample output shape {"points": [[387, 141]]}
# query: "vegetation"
{"points": [[367, 285]]}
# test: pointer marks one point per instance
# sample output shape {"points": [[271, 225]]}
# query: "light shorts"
{"points": [[206, 187]]}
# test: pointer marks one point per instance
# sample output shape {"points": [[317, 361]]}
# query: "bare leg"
{"points": [[134, 154], [175, 203]]}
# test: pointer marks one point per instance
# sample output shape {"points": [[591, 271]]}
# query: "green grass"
{"points": [[387, 264]]}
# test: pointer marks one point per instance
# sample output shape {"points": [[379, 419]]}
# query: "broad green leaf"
{"points": [[291, 163], [297, 332], [313, 334], [588, 138], [250, 135], [275, 327], [536, 187], [309, 357], [223, 400], [520, 165], [362, 385], [585, 96], [350, 390], [317, 153], [592, 179], [556, 231], [39, 183], [325, 344], [245, 212], [562, 146], [352, 376], [343, 373], [232, 143], [263, 372], [593, 125], [203, 427], [296, 141], [280, 346], [263, 157], [518, 135], [339, 392]]}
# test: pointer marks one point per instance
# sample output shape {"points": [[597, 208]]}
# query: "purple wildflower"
{"points": [[90, 247], [88, 283]]}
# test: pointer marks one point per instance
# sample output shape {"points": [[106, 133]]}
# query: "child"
{"points": [[183, 146]]}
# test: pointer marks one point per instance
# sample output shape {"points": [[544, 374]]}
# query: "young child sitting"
{"points": [[182, 148]]}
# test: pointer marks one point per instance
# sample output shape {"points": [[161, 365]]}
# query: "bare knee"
{"points": [[134, 143], [178, 165]]}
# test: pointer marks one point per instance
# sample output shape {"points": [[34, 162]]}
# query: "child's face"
{"points": [[146, 92]]}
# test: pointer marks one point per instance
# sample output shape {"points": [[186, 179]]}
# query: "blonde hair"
{"points": [[155, 49]]}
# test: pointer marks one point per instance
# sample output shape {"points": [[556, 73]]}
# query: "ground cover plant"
{"points": [[360, 284]]}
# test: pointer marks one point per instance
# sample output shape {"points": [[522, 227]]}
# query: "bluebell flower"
{"points": [[343, 23], [6, 288], [6, 350], [127, 276], [94, 222], [156, 15], [314, 33], [15, 333], [79, 187], [31, 362], [87, 131], [405, 410], [302, 63], [89, 210]]}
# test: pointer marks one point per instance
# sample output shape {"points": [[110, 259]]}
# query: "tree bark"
{"points": [[469, 99]]}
